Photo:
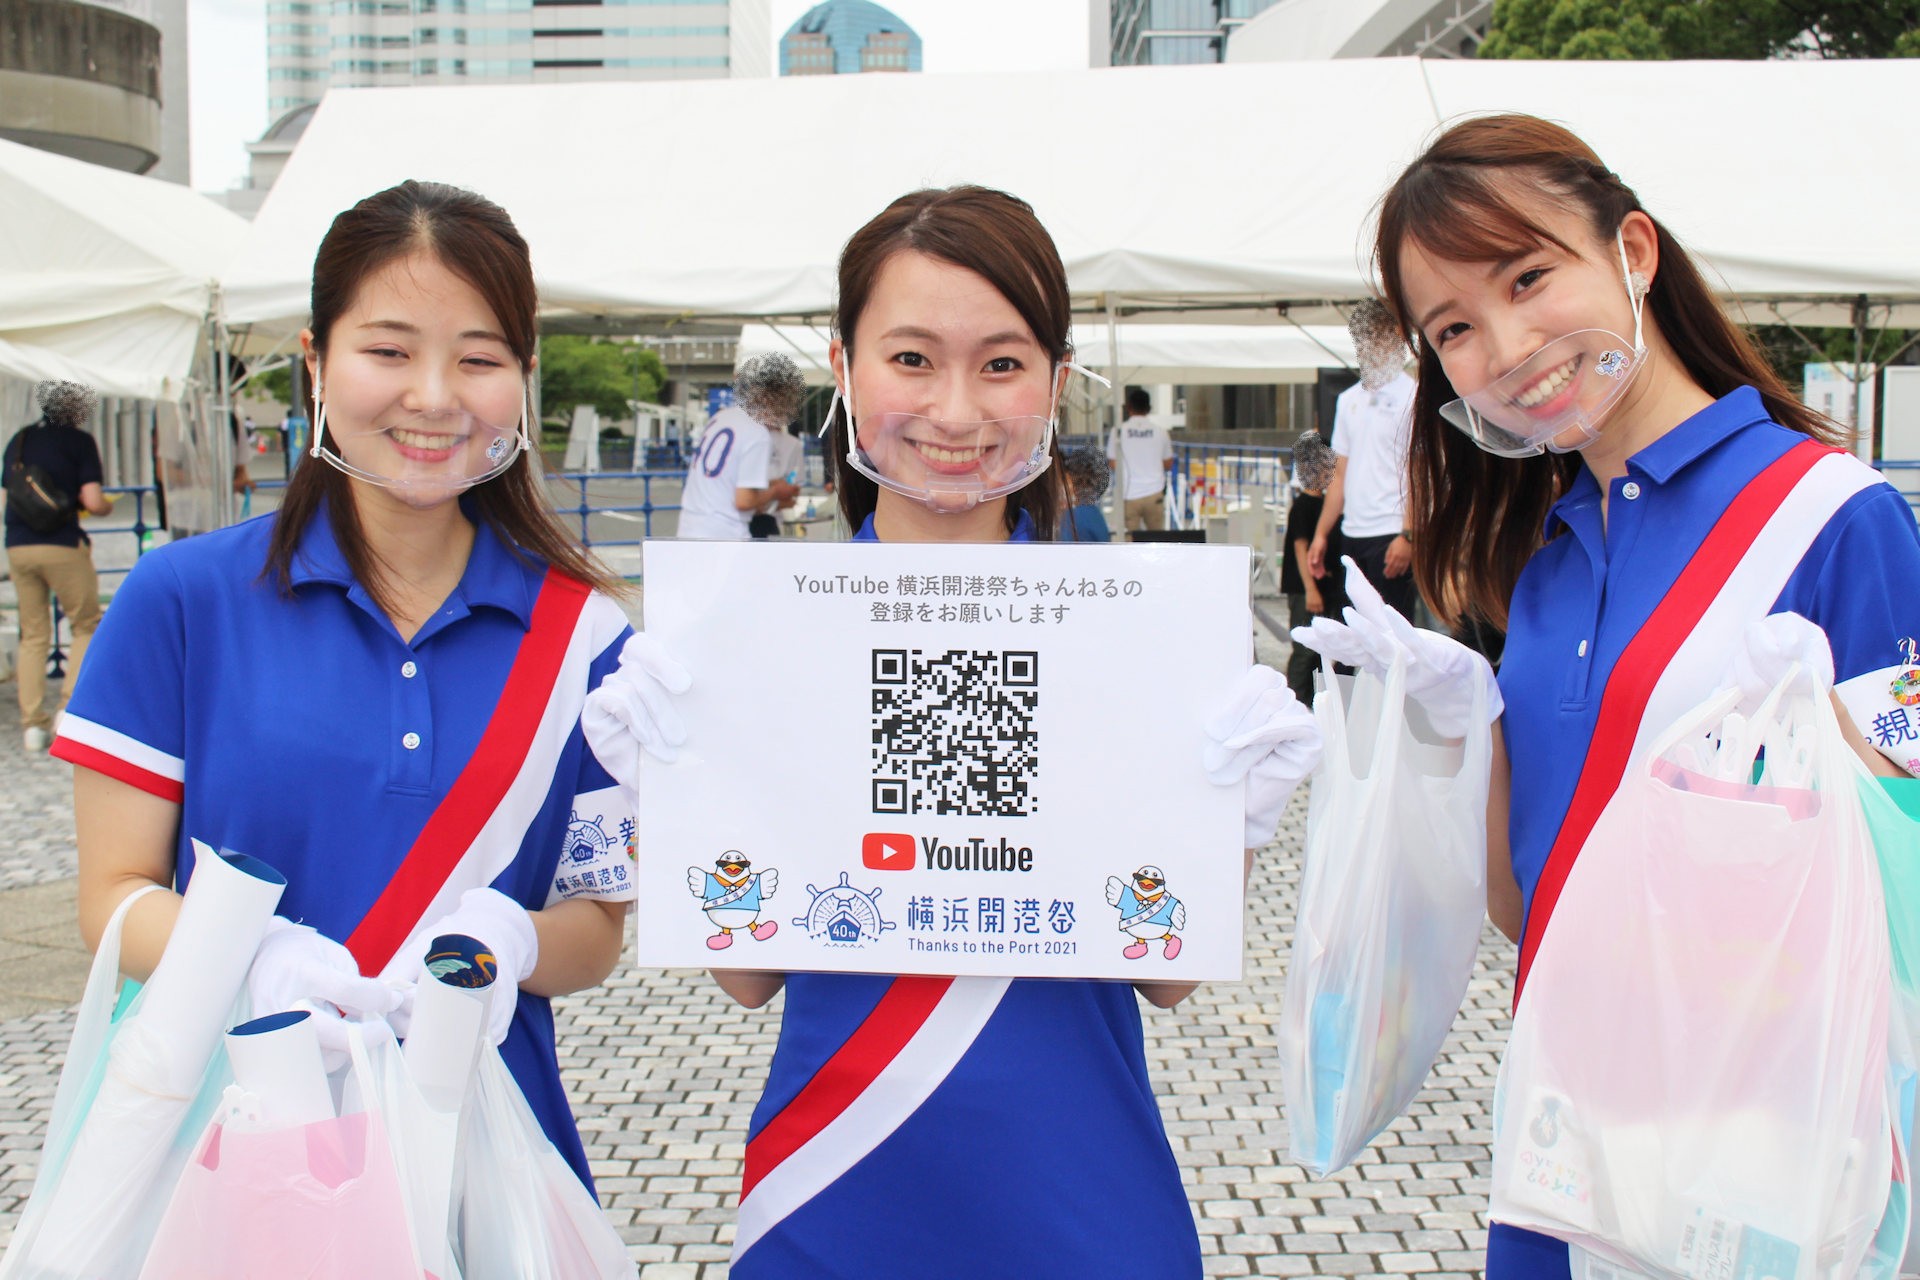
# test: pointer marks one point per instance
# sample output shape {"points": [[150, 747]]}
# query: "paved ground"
{"points": [[662, 1069]]}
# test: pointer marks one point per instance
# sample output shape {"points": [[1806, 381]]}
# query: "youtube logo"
{"points": [[887, 851]]}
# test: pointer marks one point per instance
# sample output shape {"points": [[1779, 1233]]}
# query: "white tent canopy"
{"points": [[105, 278], [1785, 176], [1794, 180], [1186, 354]]}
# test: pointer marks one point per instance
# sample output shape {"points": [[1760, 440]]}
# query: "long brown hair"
{"points": [[997, 237], [1476, 517], [475, 239]]}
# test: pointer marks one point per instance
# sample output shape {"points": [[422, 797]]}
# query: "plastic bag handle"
{"points": [[90, 1024], [1715, 710], [96, 1005], [1836, 767], [1335, 733]]}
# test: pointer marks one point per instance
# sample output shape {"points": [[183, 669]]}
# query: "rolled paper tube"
{"points": [[277, 1060], [442, 1051], [155, 1067], [223, 916], [449, 1019]]}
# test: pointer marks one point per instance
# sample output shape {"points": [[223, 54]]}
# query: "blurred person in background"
{"points": [[731, 476], [1309, 595], [53, 475], [1368, 493], [1087, 477]]}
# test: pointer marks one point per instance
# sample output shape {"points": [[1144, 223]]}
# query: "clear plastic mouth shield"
{"points": [[440, 451], [1556, 399], [954, 465]]}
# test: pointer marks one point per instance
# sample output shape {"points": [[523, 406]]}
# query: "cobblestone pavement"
{"points": [[36, 807], [662, 1069]]}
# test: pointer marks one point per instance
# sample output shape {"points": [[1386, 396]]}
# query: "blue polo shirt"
{"points": [[1588, 592], [1040, 1153], [297, 726]]}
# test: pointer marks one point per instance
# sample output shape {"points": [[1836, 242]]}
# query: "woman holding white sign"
{"points": [[968, 1127], [1605, 467], [377, 689]]}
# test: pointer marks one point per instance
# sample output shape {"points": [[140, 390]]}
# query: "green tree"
{"points": [[577, 370], [1737, 29], [275, 384]]}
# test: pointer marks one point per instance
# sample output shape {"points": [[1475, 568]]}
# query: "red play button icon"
{"points": [[887, 851]]}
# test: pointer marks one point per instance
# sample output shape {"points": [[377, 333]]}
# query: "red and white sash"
{"points": [[873, 1083], [1680, 655], [479, 826]]}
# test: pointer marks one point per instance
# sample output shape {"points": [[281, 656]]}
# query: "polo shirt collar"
{"points": [[1672, 453], [1022, 529], [494, 577]]}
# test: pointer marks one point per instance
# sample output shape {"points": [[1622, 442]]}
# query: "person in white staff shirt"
{"points": [[1368, 495], [1141, 447]]}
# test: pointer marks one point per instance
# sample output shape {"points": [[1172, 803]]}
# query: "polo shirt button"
{"points": [[409, 670], [411, 741], [1630, 490]]}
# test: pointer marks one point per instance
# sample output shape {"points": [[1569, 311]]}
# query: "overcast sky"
{"points": [[229, 72]]}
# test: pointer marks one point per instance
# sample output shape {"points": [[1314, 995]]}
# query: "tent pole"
{"points": [[1857, 375], [220, 438], [1115, 395]]}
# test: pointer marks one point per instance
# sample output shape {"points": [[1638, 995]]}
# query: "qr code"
{"points": [[954, 732]]}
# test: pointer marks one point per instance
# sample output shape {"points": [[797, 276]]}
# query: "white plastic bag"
{"points": [[1696, 1084], [1392, 896], [522, 1213]]}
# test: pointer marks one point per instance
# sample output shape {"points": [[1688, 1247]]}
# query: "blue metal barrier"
{"points": [[57, 655], [585, 508], [1904, 476]]}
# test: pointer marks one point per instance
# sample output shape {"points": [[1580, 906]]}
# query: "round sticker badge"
{"points": [[1906, 687]]}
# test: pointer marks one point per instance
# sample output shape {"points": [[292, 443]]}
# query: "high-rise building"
{"points": [[313, 45], [100, 80], [1314, 30], [842, 37], [1126, 33]]}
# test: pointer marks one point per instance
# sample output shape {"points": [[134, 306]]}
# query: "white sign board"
{"points": [[1900, 433], [952, 759]]}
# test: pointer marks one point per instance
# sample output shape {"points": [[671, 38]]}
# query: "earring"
{"points": [[1638, 284]]}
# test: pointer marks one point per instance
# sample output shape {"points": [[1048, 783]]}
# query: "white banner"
{"points": [[952, 759]]}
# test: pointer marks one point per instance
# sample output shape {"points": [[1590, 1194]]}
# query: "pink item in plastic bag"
{"points": [[315, 1202]]}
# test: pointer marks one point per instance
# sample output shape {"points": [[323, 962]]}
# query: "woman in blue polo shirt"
{"points": [[968, 1127], [377, 689], [1604, 466]]}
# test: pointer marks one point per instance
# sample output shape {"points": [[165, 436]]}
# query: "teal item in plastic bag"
{"points": [[1893, 815], [1892, 807]]}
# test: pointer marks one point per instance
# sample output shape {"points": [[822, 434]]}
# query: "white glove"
{"points": [[632, 710], [1442, 673], [1265, 735], [298, 967], [504, 927], [1770, 647]]}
